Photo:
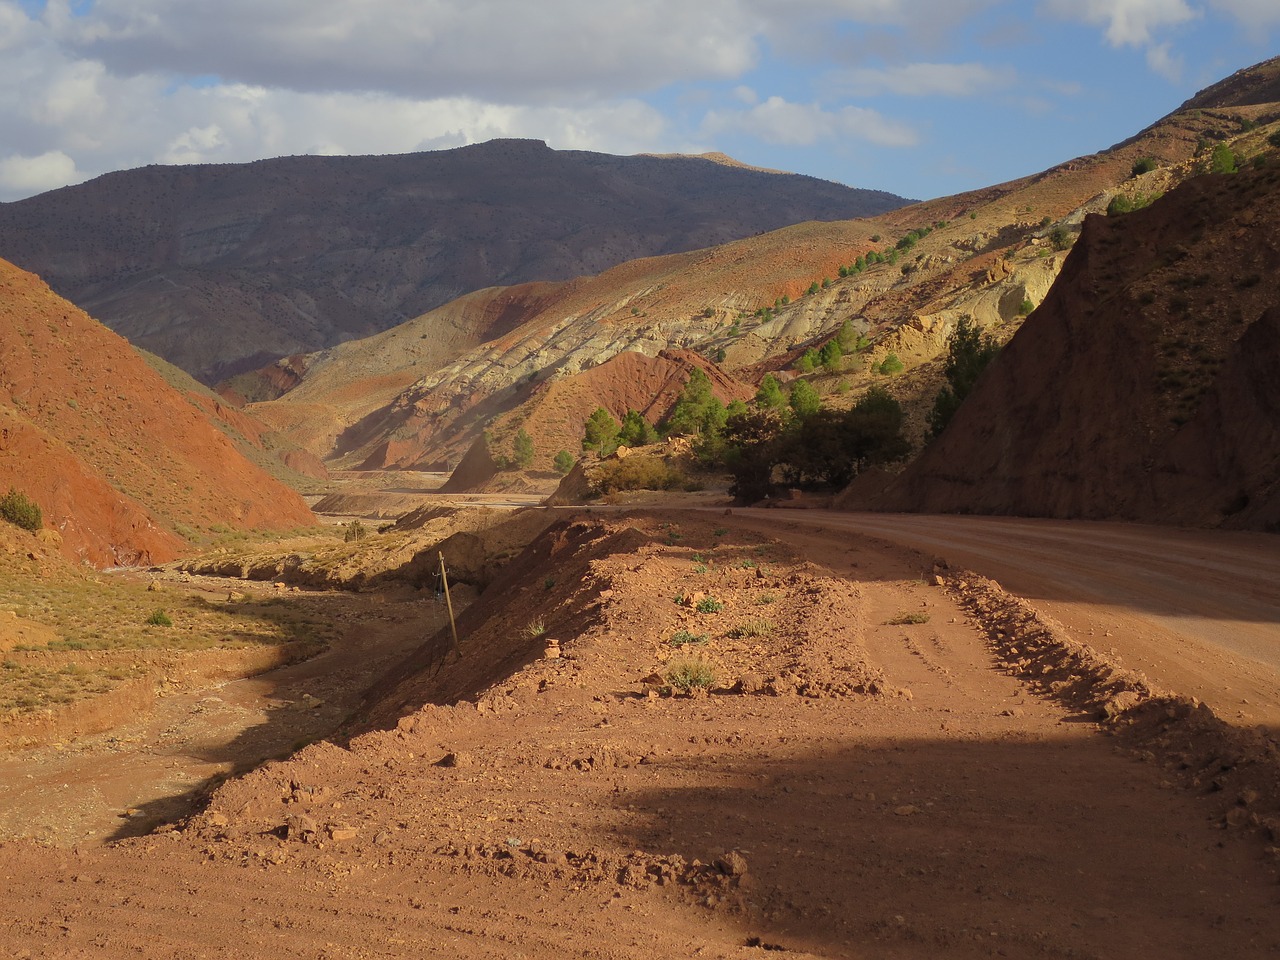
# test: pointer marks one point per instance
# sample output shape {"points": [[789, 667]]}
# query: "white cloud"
{"points": [[1252, 13], [1128, 22], [929, 79], [1161, 60], [25, 175], [504, 50], [779, 121]]}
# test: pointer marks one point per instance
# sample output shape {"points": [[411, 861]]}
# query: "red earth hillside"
{"points": [[1144, 387], [119, 462]]}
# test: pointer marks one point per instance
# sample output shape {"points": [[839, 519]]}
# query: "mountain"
{"points": [[1144, 387], [406, 398], [126, 469], [222, 268]]}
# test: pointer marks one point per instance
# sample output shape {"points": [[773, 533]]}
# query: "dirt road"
{"points": [[1198, 611], [862, 779]]}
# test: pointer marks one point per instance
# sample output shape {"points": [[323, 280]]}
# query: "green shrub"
{"points": [[752, 628], [1145, 165], [637, 473], [1222, 160], [159, 618], [600, 432], [683, 638], [1274, 139], [709, 605], [354, 532], [890, 365], [770, 395], [522, 450], [20, 510], [690, 674], [969, 351], [804, 398], [903, 619], [1025, 308], [563, 461]]}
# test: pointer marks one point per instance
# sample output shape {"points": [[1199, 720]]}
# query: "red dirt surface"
{"points": [[858, 782], [114, 456]]}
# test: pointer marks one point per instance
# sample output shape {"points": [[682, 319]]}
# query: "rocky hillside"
{"points": [[221, 268], [753, 305], [125, 468], [1144, 387]]}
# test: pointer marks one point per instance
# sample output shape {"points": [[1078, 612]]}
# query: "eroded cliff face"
{"points": [[118, 461], [1144, 387]]}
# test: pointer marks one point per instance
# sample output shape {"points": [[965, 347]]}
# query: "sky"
{"points": [[923, 98]]}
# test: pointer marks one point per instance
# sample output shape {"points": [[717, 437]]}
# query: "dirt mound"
{"points": [[1142, 388], [117, 459]]}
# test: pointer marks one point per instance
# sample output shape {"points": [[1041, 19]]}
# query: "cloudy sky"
{"points": [[920, 97]]}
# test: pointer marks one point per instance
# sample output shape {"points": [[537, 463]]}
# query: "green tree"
{"points": [[636, 431], [522, 450], [770, 395], [697, 411], [563, 461], [830, 355], [20, 510], [890, 365], [804, 398], [1222, 160], [600, 433], [808, 361], [832, 446], [969, 351]]}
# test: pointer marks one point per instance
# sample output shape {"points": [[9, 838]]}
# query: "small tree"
{"points": [[600, 433], [1222, 160], [563, 462], [770, 396], [697, 411], [522, 450], [804, 398], [831, 355], [890, 365], [969, 351], [636, 430], [20, 510]]}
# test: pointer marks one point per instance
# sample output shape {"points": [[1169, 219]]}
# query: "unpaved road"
{"points": [[1197, 611], [887, 790]]}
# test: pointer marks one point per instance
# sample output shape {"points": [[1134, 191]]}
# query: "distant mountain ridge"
{"points": [[222, 268]]}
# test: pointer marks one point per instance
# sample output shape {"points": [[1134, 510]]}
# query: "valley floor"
{"points": [[874, 774]]}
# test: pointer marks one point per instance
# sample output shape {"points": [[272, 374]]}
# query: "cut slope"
{"points": [[220, 269], [117, 459], [1144, 387]]}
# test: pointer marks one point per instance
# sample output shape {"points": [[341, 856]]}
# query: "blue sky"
{"points": [[919, 97]]}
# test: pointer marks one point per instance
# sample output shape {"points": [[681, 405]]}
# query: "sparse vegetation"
{"points": [[535, 628], [709, 605], [1120, 204], [690, 674], [159, 618], [752, 628], [637, 473], [1025, 308], [683, 638], [20, 510], [903, 619]]}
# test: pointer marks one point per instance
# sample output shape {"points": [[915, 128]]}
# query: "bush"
{"points": [[159, 618], [637, 473], [1222, 160], [636, 431], [709, 605], [832, 446], [1059, 237], [890, 365], [17, 508], [522, 450], [563, 462], [690, 674], [770, 396], [1274, 139], [1025, 308], [353, 532], [1145, 165], [683, 638]]}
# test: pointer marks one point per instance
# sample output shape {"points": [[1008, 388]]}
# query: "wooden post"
{"points": [[444, 579]]}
